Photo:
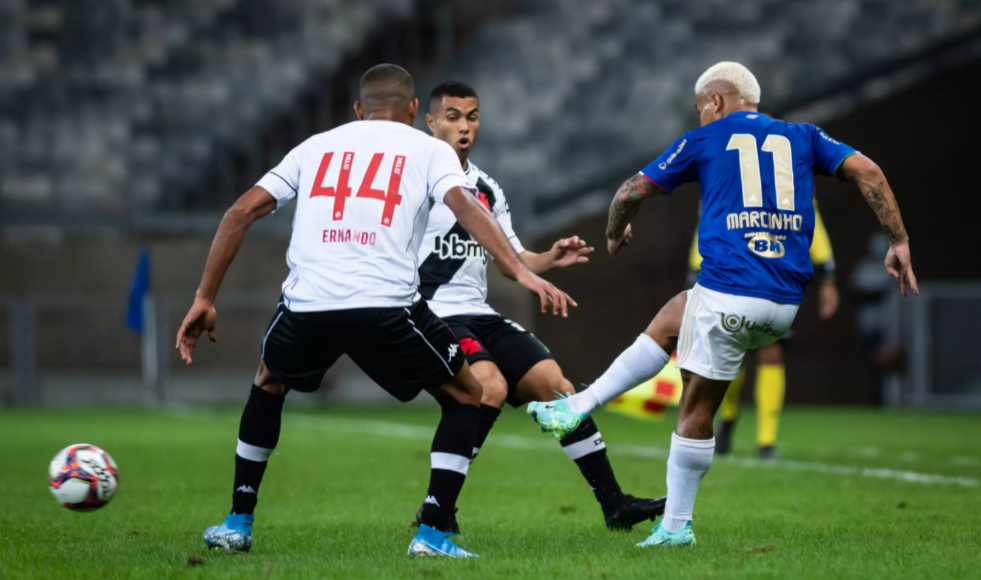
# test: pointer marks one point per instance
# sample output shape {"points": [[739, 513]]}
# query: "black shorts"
{"points": [[404, 350], [494, 338]]}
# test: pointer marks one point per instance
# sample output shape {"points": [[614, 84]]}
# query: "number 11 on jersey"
{"points": [[749, 169], [391, 197]]}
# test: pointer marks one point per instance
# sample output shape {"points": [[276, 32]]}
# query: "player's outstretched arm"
{"points": [[254, 204], [872, 182], [564, 252], [626, 204], [484, 228]]}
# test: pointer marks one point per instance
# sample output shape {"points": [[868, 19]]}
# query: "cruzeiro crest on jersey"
{"points": [[453, 266]]}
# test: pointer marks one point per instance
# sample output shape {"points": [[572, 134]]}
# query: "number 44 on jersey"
{"points": [[342, 191]]}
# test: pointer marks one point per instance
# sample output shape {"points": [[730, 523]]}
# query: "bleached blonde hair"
{"points": [[735, 74]]}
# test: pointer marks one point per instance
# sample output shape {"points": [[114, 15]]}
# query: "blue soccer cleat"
{"points": [[234, 534], [556, 417], [662, 537], [431, 542]]}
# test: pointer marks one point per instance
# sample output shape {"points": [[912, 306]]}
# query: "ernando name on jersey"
{"points": [[452, 266], [363, 192]]}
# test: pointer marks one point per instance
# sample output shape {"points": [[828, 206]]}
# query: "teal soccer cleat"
{"points": [[234, 534], [431, 542], [662, 537], [556, 417]]}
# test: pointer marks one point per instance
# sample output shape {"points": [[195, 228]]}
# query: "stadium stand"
{"points": [[125, 105], [107, 104], [616, 77]]}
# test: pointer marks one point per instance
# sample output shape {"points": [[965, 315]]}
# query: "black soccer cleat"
{"points": [[723, 437], [452, 528], [768, 452], [623, 511]]}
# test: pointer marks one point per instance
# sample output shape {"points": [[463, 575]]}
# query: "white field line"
{"points": [[406, 431]]}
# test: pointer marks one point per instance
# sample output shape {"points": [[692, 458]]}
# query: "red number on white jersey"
{"points": [[343, 190]]}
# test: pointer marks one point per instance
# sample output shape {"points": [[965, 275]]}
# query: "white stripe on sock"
{"points": [[585, 447], [251, 452], [450, 462]]}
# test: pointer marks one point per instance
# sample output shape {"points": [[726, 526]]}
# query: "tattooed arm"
{"points": [[872, 182], [625, 205]]}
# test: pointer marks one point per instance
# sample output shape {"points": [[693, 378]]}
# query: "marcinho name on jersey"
{"points": [[453, 247]]}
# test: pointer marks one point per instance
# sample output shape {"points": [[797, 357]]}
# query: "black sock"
{"points": [[490, 414], [258, 434], [452, 449], [585, 446]]}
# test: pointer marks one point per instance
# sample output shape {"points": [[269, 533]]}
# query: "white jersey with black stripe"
{"points": [[452, 265]]}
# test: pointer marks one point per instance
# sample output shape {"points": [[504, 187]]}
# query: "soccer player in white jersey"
{"points": [[363, 193], [511, 363], [757, 190]]}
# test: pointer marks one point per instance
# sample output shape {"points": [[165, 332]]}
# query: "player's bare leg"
{"points": [[640, 362], [729, 415], [452, 448], [258, 434], [692, 448]]}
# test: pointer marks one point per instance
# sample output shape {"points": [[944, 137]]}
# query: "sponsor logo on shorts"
{"points": [[470, 346], [453, 349], [734, 323]]}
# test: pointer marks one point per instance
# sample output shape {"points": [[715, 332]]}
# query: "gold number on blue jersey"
{"points": [[749, 169]]}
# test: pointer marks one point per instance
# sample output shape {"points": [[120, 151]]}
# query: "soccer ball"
{"points": [[83, 477]]}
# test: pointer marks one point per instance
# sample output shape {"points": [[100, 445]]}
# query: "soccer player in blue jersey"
{"points": [[757, 178]]}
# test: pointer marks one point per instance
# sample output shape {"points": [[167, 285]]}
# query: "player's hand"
{"points": [[899, 266], [200, 318], [828, 299], [570, 251], [617, 246], [548, 293]]}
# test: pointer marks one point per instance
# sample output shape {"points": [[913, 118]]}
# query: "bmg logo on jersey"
{"points": [[452, 247]]}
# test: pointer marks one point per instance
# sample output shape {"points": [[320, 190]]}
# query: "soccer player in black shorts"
{"points": [[510, 363], [353, 289]]}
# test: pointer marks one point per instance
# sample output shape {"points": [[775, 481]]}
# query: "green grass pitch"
{"points": [[858, 494]]}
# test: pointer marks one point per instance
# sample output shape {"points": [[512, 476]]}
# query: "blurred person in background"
{"points": [[871, 289], [771, 374]]}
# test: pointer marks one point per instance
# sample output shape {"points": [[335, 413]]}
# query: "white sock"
{"points": [[688, 462], [639, 363]]}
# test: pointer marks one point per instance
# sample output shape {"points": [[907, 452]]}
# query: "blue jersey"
{"points": [[757, 178]]}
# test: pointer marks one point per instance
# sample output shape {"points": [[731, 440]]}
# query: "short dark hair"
{"points": [[386, 86], [456, 89]]}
